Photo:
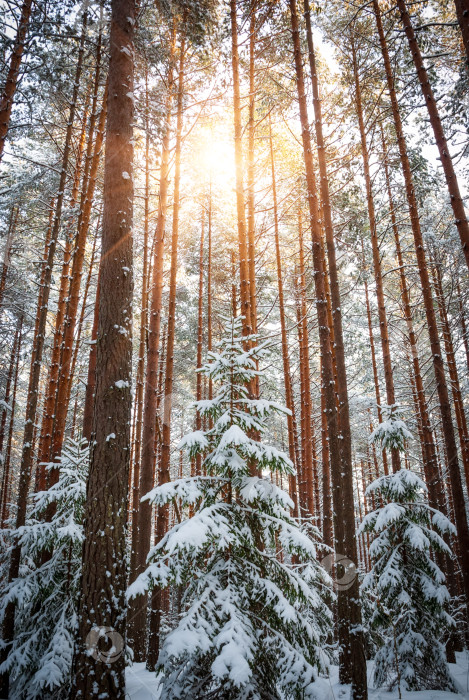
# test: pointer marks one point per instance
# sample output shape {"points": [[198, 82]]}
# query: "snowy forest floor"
{"points": [[143, 685]]}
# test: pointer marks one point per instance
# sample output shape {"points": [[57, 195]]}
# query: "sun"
{"points": [[215, 158]]}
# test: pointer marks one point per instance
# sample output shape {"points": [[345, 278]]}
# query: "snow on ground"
{"points": [[143, 685]]}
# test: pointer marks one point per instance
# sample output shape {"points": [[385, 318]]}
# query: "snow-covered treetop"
{"points": [[392, 432], [405, 516], [230, 445]]}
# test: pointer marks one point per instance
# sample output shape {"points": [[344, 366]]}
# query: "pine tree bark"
{"points": [[104, 578], [143, 324], [64, 385], [457, 203], [430, 460], [251, 173], [91, 378], [11, 83], [383, 321], [165, 455], [462, 321], [291, 418], [305, 371], [200, 330], [245, 293], [10, 392], [7, 250], [458, 403], [44, 456], [141, 541], [7, 476], [441, 385], [373, 362], [462, 13], [352, 661]]}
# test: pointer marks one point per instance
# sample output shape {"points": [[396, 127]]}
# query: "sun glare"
{"points": [[215, 157]]}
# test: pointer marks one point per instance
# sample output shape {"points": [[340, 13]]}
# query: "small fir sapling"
{"points": [[253, 623], [409, 590], [46, 590], [392, 432]]}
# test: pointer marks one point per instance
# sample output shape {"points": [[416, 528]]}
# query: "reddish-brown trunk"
{"points": [[462, 13], [291, 418], [446, 161], [138, 607], [165, 457], [250, 173], [462, 321], [11, 82], [352, 661], [461, 421], [7, 249], [245, 293], [44, 456], [383, 321], [305, 382], [104, 578], [70, 323], [139, 382], [442, 388], [200, 330], [327, 516], [9, 393], [91, 379]]}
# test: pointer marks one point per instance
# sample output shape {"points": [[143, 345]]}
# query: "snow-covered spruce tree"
{"points": [[392, 432], [410, 595], [46, 589], [254, 623]]}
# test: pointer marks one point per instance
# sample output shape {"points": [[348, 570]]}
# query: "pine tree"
{"points": [[392, 432], [254, 623], [409, 588], [46, 591]]}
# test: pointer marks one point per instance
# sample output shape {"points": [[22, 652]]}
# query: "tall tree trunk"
{"points": [[200, 335], [291, 418], [327, 515], [139, 383], [457, 204], [9, 392], [373, 361], [66, 376], [462, 13], [44, 455], [209, 286], [250, 173], [462, 321], [11, 83], [441, 385], [461, 421], [430, 461], [383, 321], [7, 469], [142, 526], [7, 249], [245, 294], [352, 661], [165, 456], [91, 378], [305, 371], [104, 579]]}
